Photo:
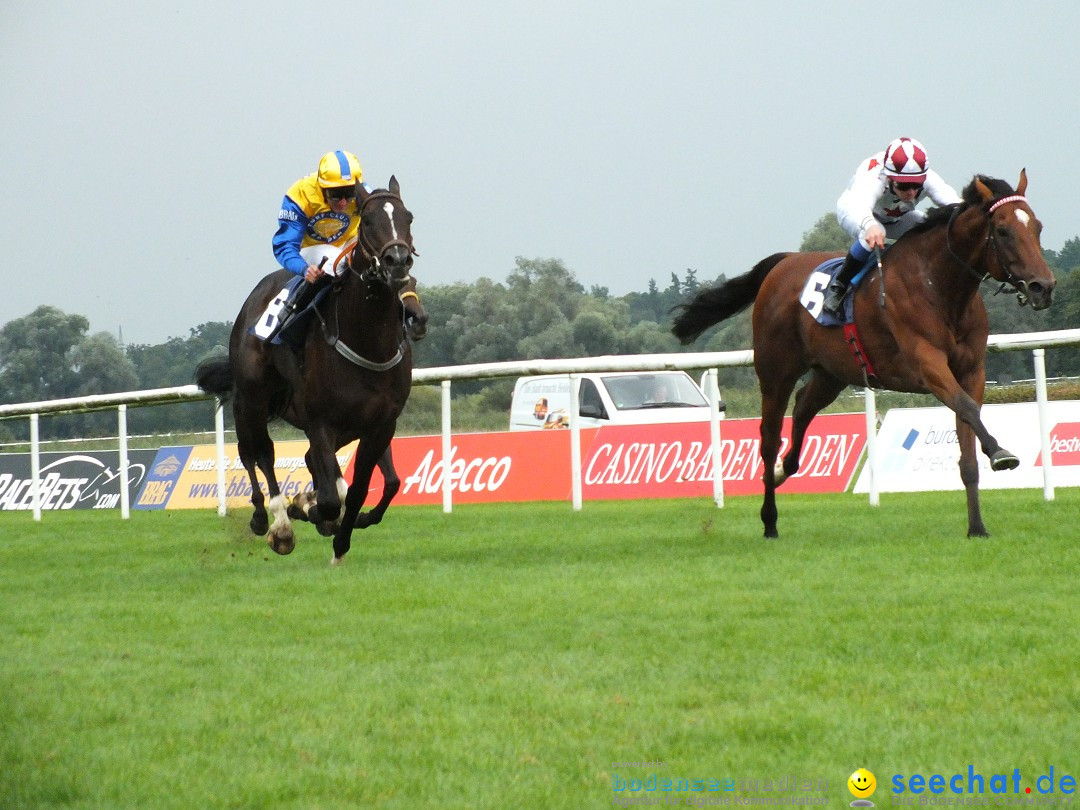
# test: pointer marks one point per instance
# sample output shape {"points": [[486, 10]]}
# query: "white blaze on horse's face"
{"points": [[1023, 217], [388, 207]]}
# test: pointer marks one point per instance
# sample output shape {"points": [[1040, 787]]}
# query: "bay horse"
{"points": [[921, 320], [351, 380]]}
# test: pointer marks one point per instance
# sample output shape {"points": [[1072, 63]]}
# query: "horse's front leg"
{"points": [[964, 397], [303, 504], [969, 474], [973, 384], [960, 399], [391, 485], [370, 451], [330, 487]]}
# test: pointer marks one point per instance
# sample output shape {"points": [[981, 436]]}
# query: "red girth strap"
{"points": [[851, 335]]}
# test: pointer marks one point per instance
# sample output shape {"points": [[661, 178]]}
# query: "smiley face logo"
{"points": [[861, 783]]}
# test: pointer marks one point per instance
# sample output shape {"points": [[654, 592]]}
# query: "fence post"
{"points": [[871, 443], [447, 450], [1044, 422], [714, 434], [35, 466], [121, 432], [575, 442], [219, 443]]}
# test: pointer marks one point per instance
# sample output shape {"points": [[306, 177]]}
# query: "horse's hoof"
{"points": [[301, 506], [1003, 460], [771, 534], [326, 528], [336, 561], [282, 544], [260, 524], [364, 520]]}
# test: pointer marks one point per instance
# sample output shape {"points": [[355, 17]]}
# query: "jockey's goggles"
{"points": [[341, 193], [908, 186]]}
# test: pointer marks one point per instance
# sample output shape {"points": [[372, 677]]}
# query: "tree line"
{"points": [[540, 310]]}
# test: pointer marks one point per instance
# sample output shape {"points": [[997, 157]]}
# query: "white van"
{"points": [[608, 398]]}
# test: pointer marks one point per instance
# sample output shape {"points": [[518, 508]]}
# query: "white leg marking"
{"points": [[342, 490], [281, 517], [779, 476]]}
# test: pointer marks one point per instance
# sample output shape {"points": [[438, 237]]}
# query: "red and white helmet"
{"points": [[905, 160]]}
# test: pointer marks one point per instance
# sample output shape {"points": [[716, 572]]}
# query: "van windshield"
{"points": [[641, 391]]}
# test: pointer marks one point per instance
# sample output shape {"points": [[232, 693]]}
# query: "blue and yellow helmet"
{"points": [[337, 169]]}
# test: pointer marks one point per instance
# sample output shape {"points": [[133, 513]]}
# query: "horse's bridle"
{"points": [[372, 267], [1010, 280]]}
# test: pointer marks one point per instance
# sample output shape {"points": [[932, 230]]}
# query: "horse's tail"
{"points": [[214, 376], [715, 304]]}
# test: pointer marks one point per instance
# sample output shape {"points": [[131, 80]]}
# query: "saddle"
{"points": [[813, 292], [813, 298], [293, 334]]}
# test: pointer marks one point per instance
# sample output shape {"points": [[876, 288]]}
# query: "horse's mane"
{"points": [[936, 217]]}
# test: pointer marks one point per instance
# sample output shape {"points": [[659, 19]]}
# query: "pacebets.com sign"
{"points": [[70, 480]]}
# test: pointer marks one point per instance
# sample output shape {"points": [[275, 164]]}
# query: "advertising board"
{"points": [[918, 451], [87, 480], [629, 461]]}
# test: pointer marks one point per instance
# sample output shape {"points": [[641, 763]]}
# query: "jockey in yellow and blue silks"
{"points": [[318, 217]]}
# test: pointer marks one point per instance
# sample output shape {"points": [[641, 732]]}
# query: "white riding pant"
{"points": [[314, 254]]}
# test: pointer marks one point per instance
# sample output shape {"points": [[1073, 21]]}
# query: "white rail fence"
{"points": [[1037, 342]]}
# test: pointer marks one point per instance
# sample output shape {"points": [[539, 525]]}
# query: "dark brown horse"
{"points": [[929, 335], [351, 382]]}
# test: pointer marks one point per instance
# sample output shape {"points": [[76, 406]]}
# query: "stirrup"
{"points": [[834, 301]]}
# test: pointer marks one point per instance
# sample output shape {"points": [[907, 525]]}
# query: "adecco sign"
{"points": [[918, 451]]}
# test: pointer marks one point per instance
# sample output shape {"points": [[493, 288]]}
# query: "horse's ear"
{"points": [[1021, 187], [394, 188], [361, 192], [983, 189]]}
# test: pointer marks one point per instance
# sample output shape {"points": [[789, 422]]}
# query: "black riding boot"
{"points": [[300, 297], [834, 296]]}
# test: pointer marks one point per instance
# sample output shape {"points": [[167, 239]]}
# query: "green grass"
{"points": [[507, 655]]}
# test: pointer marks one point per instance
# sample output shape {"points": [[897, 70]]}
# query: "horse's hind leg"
{"points": [[256, 448], [246, 444], [819, 392], [774, 400], [778, 370], [391, 484]]}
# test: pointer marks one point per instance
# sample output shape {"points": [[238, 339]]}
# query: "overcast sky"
{"points": [[145, 146]]}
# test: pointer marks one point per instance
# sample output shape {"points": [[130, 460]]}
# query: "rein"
{"points": [[372, 271]]}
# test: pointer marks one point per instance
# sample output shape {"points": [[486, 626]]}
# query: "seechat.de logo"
{"points": [[862, 785]]}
